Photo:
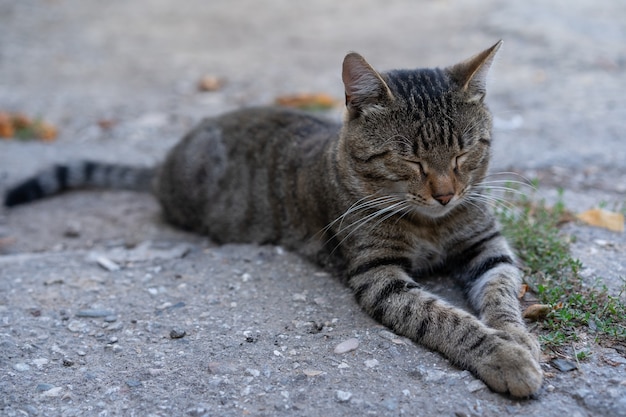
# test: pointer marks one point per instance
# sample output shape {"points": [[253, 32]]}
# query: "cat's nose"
{"points": [[443, 199]]}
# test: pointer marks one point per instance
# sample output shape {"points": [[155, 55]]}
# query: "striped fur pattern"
{"points": [[79, 174], [391, 196]]}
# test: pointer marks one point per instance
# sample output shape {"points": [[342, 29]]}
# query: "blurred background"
{"points": [[123, 80]]}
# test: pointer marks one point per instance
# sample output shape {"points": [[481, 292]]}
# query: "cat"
{"points": [[392, 195]]}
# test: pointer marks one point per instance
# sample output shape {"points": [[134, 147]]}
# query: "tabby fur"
{"points": [[391, 196]]}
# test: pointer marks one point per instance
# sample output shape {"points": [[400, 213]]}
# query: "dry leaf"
{"points": [[45, 131], [316, 101], [536, 312], [7, 241], [21, 121], [6, 126], [522, 292], [210, 83], [106, 124], [18, 125], [603, 218]]}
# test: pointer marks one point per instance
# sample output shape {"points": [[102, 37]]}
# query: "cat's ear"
{"points": [[366, 91], [471, 74]]}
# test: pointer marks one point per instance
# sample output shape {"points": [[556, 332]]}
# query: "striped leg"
{"points": [[385, 290], [492, 284]]}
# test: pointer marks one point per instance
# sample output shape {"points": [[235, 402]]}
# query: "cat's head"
{"points": [[422, 136]]}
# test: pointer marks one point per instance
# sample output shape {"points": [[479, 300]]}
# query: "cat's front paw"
{"points": [[511, 368], [522, 337]]}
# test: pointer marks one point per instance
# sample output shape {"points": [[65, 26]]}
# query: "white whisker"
{"points": [[358, 224]]}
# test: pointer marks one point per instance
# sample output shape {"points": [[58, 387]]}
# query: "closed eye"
{"points": [[458, 161], [419, 164]]}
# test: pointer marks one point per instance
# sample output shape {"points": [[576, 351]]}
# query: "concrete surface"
{"points": [[260, 325]]}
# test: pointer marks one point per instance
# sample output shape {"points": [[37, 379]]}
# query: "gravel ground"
{"points": [[106, 310]]}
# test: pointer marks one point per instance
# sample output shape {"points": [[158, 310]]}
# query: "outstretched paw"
{"points": [[521, 336], [511, 368]]}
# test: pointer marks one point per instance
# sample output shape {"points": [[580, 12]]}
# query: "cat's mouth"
{"points": [[435, 209]]}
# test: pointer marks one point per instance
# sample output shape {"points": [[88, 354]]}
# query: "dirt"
{"points": [[107, 310]]}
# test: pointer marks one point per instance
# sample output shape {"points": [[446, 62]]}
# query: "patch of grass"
{"points": [[554, 275]]}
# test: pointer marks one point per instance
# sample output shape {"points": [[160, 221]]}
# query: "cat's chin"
{"points": [[434, 212]]}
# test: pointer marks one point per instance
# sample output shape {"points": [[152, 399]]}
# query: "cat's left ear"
{"points": [[366, 91], [471, 74]]}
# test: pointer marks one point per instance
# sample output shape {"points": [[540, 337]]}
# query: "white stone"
{"points": [[347, 346], [343, 396]]}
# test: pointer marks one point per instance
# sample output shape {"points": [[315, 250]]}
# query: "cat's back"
{"points": [[262, 126], [229, 176]]}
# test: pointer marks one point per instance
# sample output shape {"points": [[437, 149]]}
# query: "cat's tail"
{"points": [[80, 175]]}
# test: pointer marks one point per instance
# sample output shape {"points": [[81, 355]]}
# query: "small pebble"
{"points": [[563, 365], [72, 230], [312, 372], [40, 362], [107, 264], [133, 383], [76, 326], [299, 297], [110, 318], [343, 396], [114, 326], [21, 367], [52, 392], [44, 387], [347, 346], [476, 385], [113, 347], [177, 333], [371, 363], [94, 313], [68, 362], [386, 334]]}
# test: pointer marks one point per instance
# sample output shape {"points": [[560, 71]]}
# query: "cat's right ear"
{"points": [[366, 91]]}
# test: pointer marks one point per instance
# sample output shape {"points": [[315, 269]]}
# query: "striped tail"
{"points": [[77, 175]]}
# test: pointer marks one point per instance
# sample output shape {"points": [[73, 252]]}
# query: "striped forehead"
{"points": [[425, 101], [425, 92]]}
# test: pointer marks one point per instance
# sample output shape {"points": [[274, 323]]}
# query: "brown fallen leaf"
{"points": [[21, 121], [45, 131], [306, 101], [522, 292], [603, 218], [6, 126], [106, 124], [536, 312], [7, 241], [210, 83], [20, 126]]}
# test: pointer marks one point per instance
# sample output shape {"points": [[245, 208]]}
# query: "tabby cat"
{"points": [[392, 195]]}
